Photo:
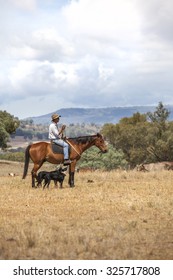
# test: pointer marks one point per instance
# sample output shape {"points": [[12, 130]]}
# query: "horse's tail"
{"points": [[26, 165]]}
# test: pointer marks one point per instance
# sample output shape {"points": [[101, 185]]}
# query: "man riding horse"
{"points": [[41, 152], [55, 135]]}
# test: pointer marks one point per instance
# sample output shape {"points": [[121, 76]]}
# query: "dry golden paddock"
{"points": [[108, 215]]}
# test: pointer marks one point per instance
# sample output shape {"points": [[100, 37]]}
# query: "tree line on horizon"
{"points": [[141, 138]]}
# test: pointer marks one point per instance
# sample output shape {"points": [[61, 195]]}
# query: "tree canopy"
{"points": [[113, 159], [143, 137], [8, 125]]}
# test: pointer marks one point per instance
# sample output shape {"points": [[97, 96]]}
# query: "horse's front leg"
{"points": [[71, 174], [71, 179]]}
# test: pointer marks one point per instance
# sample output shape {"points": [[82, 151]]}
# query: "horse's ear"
{"points": [[99, 135]]}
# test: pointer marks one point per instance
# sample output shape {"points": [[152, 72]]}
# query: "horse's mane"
{"points": [[83, 139]]}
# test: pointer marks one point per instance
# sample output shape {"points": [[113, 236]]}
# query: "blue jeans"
{"points": [[63, 144]]}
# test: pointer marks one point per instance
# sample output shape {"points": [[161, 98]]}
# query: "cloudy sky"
{"points": [[84, 53]]}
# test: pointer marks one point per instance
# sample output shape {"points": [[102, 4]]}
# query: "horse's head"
{"points": [[100, 143]]}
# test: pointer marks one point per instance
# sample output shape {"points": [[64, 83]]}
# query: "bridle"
{"points": [[99, 152]]}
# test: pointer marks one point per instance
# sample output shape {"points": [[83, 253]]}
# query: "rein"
{"points": [[72, 147], [65, 139]]}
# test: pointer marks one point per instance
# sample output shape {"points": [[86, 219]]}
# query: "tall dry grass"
{"points": [[108, 215]]}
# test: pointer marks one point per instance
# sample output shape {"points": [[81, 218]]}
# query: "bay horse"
{"points": [[42, 151]]}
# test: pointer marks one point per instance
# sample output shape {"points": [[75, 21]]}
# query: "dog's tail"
{"points": [[27, 158]]}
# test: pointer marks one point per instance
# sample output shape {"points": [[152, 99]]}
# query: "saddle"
{"points": [[57, 149]]}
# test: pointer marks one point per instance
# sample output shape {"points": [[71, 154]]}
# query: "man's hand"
{"points": [[63, 127]]}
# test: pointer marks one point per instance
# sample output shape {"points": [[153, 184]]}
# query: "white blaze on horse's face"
{"points": [[101, 144]]}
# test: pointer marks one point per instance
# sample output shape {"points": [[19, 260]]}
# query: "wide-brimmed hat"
{"points": [[55, 117]]}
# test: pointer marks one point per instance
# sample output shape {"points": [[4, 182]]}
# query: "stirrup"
{"points": [[67, 162]]}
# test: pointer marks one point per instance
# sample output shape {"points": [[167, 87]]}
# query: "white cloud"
{"points": [[157, 18], [39, 78], [101, 18], [49, 45], [86, 53], [29, 5]]}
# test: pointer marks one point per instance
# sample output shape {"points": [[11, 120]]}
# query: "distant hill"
{"points": [[97, 115]]}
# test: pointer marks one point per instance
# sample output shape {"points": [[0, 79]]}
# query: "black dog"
{"points": [[57, 175]]}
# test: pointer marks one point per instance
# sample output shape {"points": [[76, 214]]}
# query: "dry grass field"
{"points": [[108, 215]]}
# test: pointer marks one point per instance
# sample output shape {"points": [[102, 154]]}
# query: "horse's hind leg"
{"points": [[33, 179], [39, 181], [34, 172]]}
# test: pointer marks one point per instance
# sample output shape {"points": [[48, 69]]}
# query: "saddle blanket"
{"points": [[57, 149]]}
